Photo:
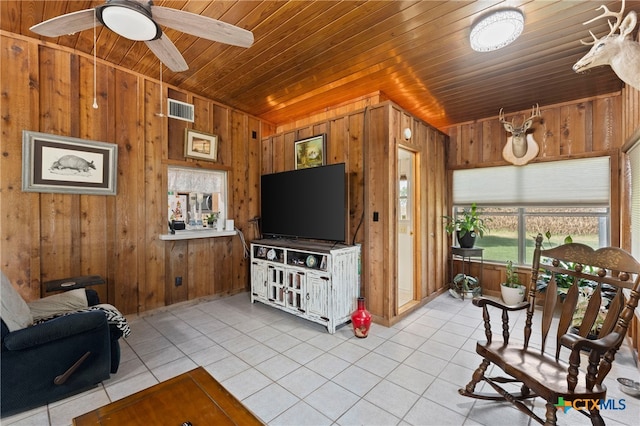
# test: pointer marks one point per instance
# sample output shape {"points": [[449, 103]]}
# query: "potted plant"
{"points": [[467, 225], [512, 291], [464, 286], [212, 219]]}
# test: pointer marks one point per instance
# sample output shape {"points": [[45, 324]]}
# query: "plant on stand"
{"points": [[512, 291], [467, 225]]}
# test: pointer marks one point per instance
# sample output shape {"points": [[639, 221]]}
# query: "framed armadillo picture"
{"points": [[62, 164]]}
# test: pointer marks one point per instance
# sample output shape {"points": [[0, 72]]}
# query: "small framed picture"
{"points": [[200, 145], [178, 207], [309, 152], [62, 164]]}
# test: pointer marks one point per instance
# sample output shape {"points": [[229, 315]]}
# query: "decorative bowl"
{"points": [[629, 387]]}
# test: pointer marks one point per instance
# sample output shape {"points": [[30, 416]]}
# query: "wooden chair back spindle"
{"points": [[584, 265]]}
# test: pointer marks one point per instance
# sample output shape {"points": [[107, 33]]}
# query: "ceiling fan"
{"points": [[140, 20]]}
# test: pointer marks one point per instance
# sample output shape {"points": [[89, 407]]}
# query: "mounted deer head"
{"points": [[616, 50], [521, 147]]}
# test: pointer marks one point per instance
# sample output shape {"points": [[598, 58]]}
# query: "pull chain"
{"points": [[161, 90], [95, 94]]}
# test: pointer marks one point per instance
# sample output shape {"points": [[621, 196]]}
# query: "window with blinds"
{"points": [[584, 181], [564, 198]]}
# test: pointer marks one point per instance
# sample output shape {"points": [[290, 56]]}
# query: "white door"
{"points": [[258, 280], [276, 284], [405, 227], [295, 287], [317, 297]]}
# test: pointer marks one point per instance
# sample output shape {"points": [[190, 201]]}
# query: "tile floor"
{"points": [[289, 371]]}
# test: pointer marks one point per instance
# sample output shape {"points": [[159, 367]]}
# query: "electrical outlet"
{"points": [[178, 281]]}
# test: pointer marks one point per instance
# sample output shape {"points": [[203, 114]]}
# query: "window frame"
{"points": [[198, 185], [491, 196]]}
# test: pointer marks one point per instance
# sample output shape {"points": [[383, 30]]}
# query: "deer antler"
{"points": [[612, 27], [590, 43], [535, 111], [501, 116]]}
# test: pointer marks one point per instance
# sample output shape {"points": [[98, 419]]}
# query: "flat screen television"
{"points": [[305, 203]]}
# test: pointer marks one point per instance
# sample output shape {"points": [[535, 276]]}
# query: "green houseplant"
{"points": [[467, 225], [464, 286], [511, 290], [212, 219]]}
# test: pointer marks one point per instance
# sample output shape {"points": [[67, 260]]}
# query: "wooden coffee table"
{"points": [[193, 397]]}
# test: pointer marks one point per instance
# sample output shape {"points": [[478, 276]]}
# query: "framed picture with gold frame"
{"points": [[309, 152], [200, 145]]}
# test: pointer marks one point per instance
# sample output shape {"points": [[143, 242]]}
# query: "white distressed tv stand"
{"points": [[314, 280]]}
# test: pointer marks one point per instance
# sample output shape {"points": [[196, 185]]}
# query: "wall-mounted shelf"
{"points": [[193, 234]]}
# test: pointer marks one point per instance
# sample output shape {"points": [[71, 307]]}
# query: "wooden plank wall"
{"points": [[564, 131], [631, 112], [48, 88], [366, 139], [597, 126], [631, 108], [429, 145]]}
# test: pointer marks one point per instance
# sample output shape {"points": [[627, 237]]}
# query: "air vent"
{"points": [[180, 110]]}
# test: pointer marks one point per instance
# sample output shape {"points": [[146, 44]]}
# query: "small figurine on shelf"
{"points": [[177, 212]]}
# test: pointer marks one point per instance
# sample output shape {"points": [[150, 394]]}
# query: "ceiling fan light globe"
{"points": [[129, 23]]}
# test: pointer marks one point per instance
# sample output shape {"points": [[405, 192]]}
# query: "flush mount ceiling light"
{"points": [[496, 30]]}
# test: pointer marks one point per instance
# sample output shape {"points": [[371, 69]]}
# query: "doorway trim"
{"points": [[411, 170]]}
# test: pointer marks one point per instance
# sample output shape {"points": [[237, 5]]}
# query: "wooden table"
{"points": [[193, 397]]}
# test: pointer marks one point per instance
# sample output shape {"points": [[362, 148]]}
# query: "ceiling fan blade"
{"points": [[202, 26], [67, 24], [167, 52]]}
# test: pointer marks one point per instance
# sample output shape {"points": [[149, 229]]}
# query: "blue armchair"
{"points": [[52, 360]]}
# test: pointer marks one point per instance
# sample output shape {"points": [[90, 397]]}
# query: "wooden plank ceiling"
{"points": [[310, 55]]}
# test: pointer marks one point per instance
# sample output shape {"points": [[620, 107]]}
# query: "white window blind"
{"points": [[584, 181], [634, 161]]}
